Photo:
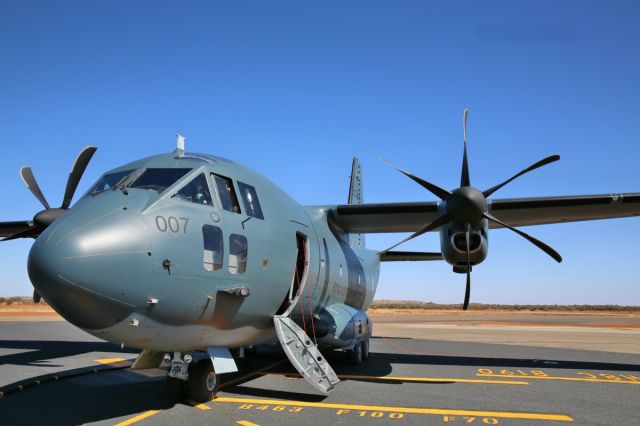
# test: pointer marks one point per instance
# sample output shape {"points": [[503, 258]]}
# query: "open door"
{"points": [[299, 348], [300, 274]]}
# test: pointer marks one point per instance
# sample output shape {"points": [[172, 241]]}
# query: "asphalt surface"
{"points": [[407, 381]]}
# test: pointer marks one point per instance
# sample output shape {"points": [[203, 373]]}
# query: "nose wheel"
{"points": [[200, 384], [203, 381]]}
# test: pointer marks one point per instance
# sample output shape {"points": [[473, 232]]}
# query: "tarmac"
{"points": [[421, 371]]}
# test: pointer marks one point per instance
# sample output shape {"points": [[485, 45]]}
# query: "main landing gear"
{"points": [[359, 353], [196, 380]]}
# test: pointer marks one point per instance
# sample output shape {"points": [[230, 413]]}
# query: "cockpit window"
{"points": [[227, 194], [109, 181], [158, 179], [250, 200], [196, 191]]}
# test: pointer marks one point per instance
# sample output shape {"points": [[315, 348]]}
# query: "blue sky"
{"points": [[295, 89]]}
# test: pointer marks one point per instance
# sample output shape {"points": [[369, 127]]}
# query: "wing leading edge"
{"points": [[410, 217]]}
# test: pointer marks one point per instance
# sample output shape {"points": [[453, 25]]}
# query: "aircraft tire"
{"points": [[203, 381], [176, 388], [355, 355], [365, 350]]}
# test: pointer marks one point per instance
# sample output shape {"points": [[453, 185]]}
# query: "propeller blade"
{"points": [[79, 166], [467, 291], [27, 177], [539, 164], [542, 246], [9, 228], [465, 180], [443, 194], [27, 233], [439, 221]]}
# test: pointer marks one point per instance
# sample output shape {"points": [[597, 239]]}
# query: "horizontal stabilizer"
{"points": [[399, 256]]}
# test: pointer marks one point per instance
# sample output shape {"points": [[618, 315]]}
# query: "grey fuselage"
{"points": [[128, 264]]}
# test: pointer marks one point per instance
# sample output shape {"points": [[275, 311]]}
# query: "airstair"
{"points": [[304, 355]]}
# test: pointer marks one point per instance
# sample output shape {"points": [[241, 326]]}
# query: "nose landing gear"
{"points": [[203, 381], [192, 380]]}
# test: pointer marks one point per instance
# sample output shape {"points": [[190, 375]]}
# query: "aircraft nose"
{"points": [[88, 267]]}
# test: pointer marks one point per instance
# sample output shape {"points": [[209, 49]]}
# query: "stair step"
{"points": [[304, 355]]}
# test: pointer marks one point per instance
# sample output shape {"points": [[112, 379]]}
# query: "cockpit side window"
{"points": [[158, 179], [213, 248], [196, 191], [227, 194], [109, 181], [237, 254], [250, 200]]}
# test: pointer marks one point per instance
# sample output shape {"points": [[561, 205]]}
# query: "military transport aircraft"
{"points": [[189, 256]]}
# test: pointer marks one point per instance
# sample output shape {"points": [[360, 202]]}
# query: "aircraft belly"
{"points": [[149, 334]]}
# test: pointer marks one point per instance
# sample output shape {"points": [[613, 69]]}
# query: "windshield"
{"points": [[109, 181], [158, 179]]}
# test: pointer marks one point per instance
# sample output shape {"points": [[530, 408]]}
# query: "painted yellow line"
{"points": [[246, 423], [137, 418], [203, 406], [572, 379], [433, 411], [253, 373], [109, 360], [413, 379], [114, 362]]}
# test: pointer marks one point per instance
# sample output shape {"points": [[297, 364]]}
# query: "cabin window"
{"points": [[158, 179], [237, 254], [109, 180], [250, 200], [196, 191], [213, 248], [227, 194]]}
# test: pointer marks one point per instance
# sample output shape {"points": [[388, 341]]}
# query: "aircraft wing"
{"points": [[410, 217]]}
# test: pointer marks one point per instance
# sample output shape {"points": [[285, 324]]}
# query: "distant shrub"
{"points": [[410, 304], [9, 302]]}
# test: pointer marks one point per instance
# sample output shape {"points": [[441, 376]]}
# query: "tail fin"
{"points": [[355, 197]]}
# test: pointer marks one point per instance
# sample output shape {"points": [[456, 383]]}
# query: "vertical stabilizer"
{"points": [[355, 197]]}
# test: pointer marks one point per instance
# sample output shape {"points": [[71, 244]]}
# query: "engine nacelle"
{"points": [[342, 326], [453, 245]]}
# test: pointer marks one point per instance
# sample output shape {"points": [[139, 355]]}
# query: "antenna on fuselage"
{"points": [[180, 143]]}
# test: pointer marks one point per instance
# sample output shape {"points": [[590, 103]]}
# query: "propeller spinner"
{"points": [[466, 207]]}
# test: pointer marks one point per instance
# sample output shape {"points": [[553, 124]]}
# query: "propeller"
{"points": [[44, 218], [466, 207]]}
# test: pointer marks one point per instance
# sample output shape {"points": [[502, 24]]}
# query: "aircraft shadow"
{"points": [[40, 353], [381, 363], [85, 399], [274, 393], [121, 393]]}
